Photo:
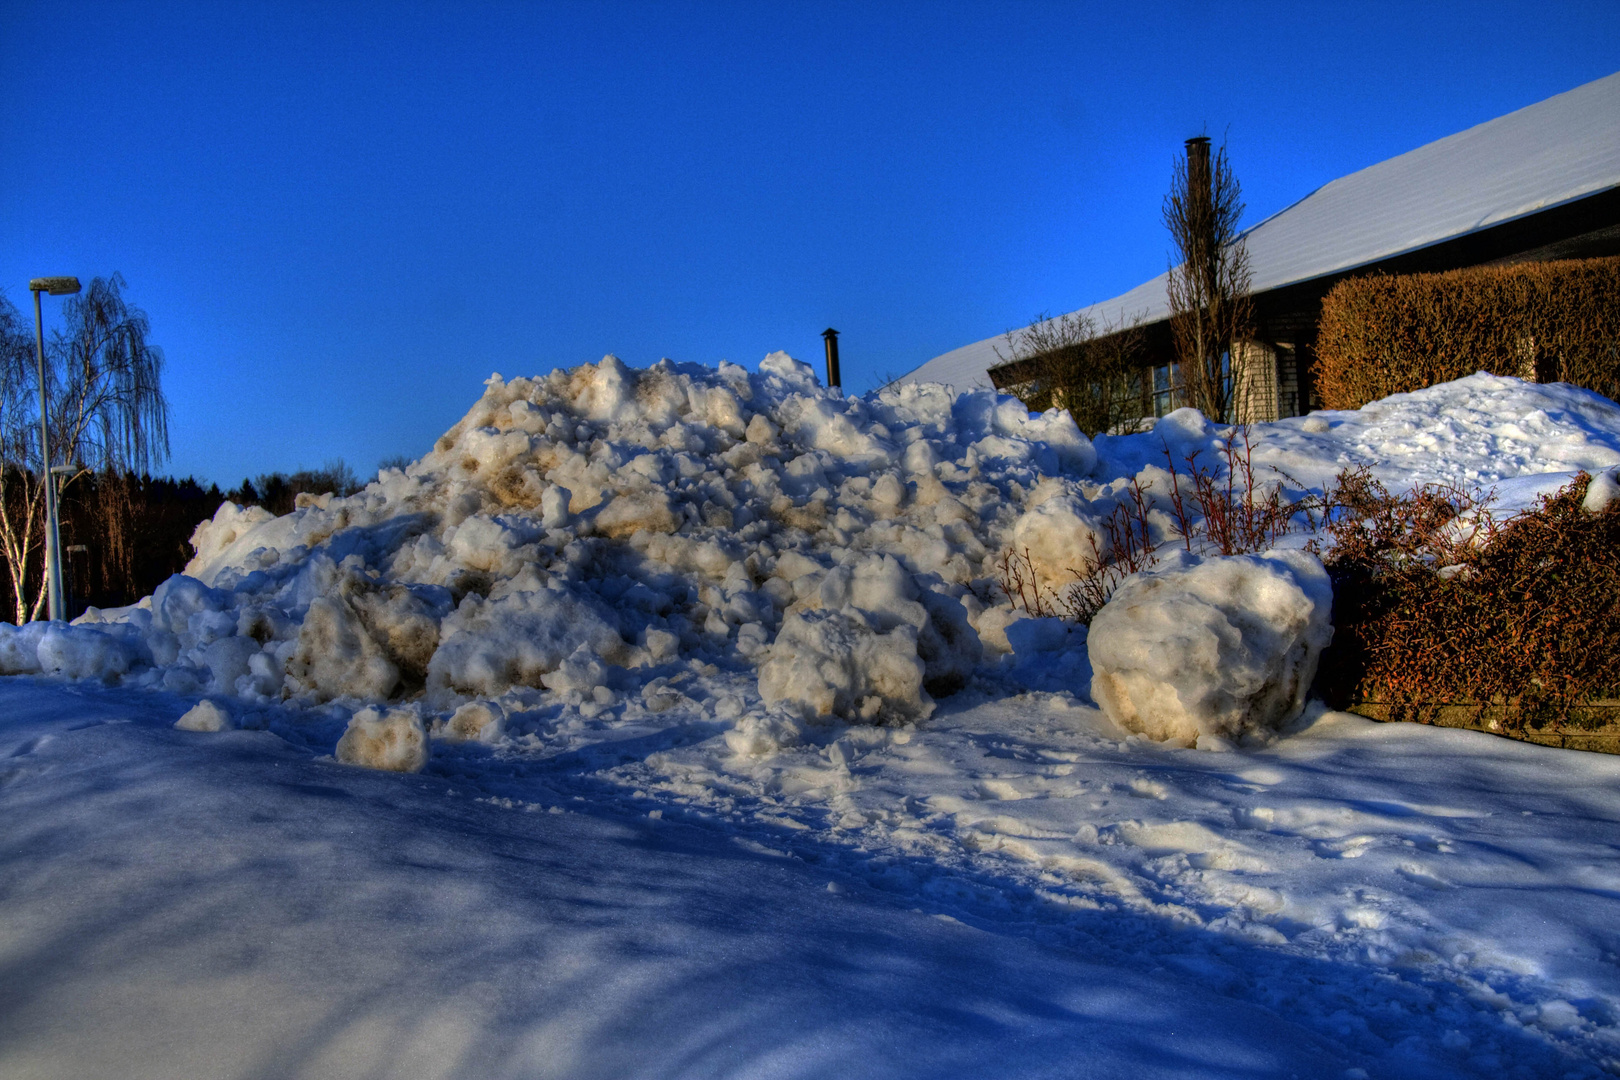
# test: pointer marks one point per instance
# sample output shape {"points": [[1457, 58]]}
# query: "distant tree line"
{"points": [[124, 534], [278, 492]]}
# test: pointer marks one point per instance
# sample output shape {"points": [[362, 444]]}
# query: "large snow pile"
{"points": [[589, 531], [614, 542]]}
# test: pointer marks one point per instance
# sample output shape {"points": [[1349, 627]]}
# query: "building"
{"points": [[1541, 183]]}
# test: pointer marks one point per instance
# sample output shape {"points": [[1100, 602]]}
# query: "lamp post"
{"points": [[56, 286]]}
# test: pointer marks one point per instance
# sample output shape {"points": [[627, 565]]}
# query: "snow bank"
{"points": [[581, 533], [1225, 647], [589, 537]]}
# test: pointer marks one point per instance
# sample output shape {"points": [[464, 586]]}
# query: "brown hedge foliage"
{"points": [[1437, 604], [1551, 321]]}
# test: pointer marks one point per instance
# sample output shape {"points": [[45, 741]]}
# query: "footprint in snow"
{"points": [[1345, 847], [1418, 875]]}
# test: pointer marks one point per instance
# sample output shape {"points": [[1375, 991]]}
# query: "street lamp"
{"points": [[56, 286]]}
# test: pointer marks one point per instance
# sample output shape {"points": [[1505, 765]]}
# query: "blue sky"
{"points": [[342, 217]]}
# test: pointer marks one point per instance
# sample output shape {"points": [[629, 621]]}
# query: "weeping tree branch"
{"points": [[103, 379]]}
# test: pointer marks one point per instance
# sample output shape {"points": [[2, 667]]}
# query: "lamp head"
{"points": [[56, 286]]}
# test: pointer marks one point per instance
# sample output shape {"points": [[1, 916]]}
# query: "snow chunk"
{"points": [[205, 716], [516, 639], [1061, 537], [759, 736], [836, 664], [395, 741], [641, 511], [795, 373], [336, 657], [480, 720], [19, 648], [78, 652], [212, 538], [1226, 647]]}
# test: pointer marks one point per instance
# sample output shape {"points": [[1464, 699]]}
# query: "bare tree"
{"points": [[107, 414], [1211, 316], [1072, 362]]}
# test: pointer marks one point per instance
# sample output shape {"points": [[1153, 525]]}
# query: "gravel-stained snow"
{"points": [[730, 759]]}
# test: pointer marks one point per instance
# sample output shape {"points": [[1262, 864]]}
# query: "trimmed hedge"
{"points": [[1550, 321]]}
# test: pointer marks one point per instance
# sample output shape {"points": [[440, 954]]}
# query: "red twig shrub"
{"points": [[1229, 514], [1236, 516]]}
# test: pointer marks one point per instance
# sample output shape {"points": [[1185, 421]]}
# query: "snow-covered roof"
{"points": [[1553, 152]]}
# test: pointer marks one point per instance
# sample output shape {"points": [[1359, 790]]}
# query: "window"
{"points": [[1167, 390]]}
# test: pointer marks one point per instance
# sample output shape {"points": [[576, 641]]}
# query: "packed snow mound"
{"points": [[613, 542], [1484, 431], [587, 532], [1225, 647]]}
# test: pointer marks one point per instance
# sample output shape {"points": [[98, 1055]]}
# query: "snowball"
{"points": [[834, 663], [205, 716], [394, 741], [1602, 493], [482, 720], [1226, 647]]}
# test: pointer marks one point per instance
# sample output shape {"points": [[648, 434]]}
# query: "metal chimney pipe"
{"points": [[830, 336], [1198, 163]]}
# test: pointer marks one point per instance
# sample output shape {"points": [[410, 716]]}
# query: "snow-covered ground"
{"points": [[632, 631]]}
